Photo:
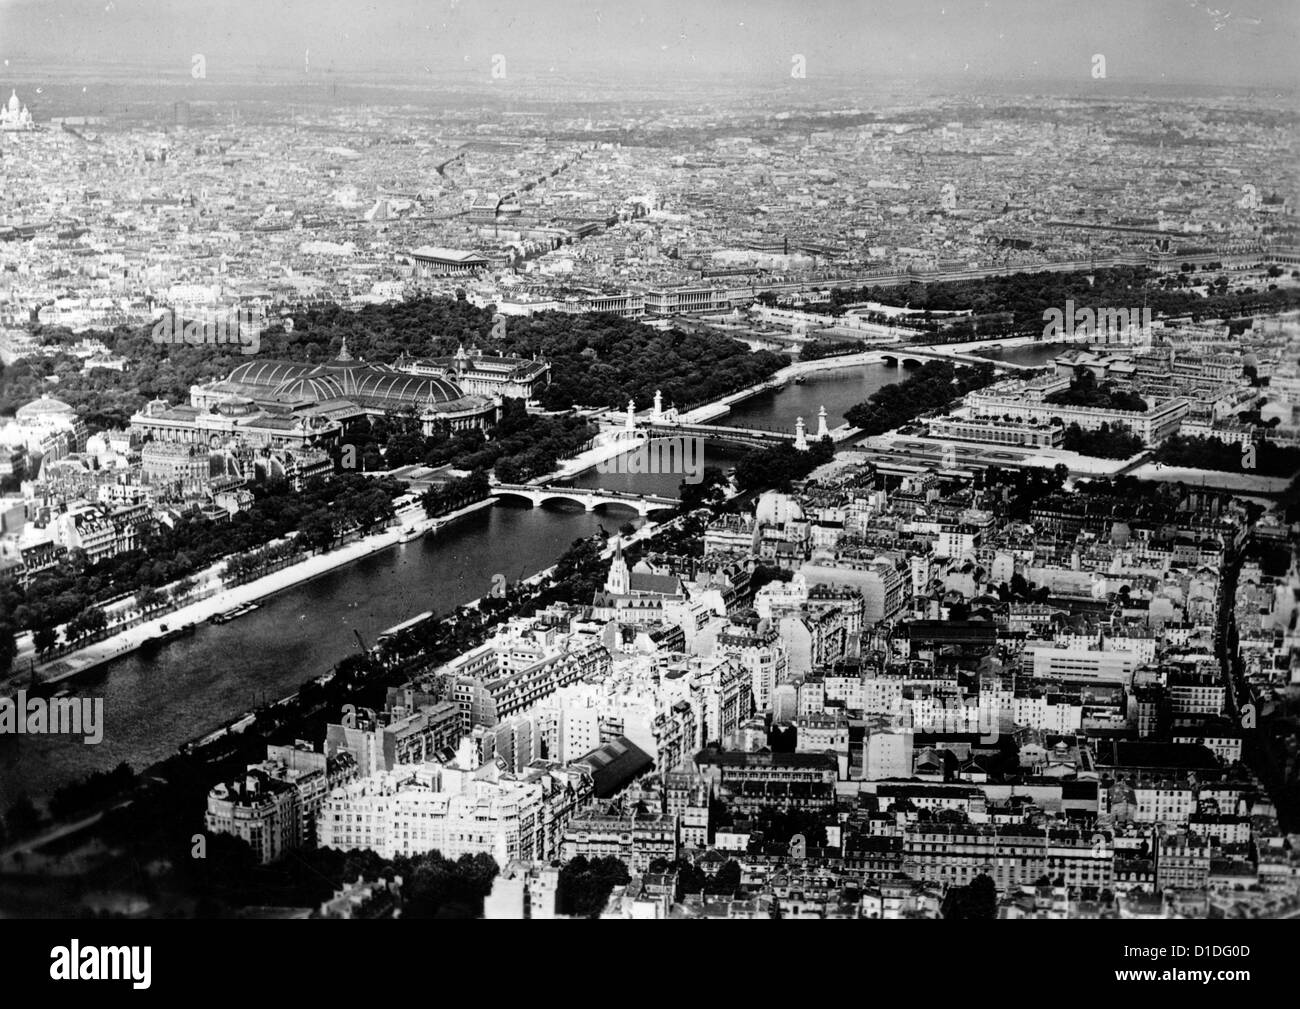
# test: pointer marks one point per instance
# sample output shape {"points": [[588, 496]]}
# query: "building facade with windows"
{"points": [[406, 811], [635, 840], [479, 374]]}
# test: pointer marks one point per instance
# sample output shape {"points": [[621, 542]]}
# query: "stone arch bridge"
{"points": [[589, 498]]}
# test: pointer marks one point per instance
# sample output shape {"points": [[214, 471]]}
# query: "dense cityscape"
{"points": [[565, 499]]}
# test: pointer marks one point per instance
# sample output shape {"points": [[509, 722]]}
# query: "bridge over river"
{"points": [[589, 498]]}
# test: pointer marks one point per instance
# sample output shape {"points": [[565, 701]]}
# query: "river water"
{"points": [[154, 704]]}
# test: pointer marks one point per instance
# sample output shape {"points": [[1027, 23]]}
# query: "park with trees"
{"points": [[933, 386]]}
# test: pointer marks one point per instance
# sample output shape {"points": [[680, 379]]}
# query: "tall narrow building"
{"points": [[619, 582]]}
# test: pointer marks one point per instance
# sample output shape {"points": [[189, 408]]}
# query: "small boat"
{"points": [[798, 380], [238, 611], [158, 640]]}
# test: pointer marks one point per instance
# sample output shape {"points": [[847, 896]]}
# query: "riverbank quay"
{"points": [[216, 598]]}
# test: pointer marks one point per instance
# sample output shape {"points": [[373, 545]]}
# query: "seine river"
{"points": [[153, 705]]}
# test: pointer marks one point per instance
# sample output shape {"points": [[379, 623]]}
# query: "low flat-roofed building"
{"points": [[997, 431]]}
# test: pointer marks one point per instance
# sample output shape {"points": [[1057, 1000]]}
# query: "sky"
{"points": [[1142, 41]]}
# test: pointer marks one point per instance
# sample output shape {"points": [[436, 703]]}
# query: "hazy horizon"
{"points": [[961, 43]]}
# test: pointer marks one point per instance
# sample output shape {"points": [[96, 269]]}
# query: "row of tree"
{"points": [[245, 567], [780, 465], [1263, 458], [816, 350], [1027, 296], [455, 494], [585, 884], [73, 591], [932, 386], [521, 445], [433, 886]]}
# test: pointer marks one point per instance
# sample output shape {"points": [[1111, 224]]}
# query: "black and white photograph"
{"points": [[572, 459]]}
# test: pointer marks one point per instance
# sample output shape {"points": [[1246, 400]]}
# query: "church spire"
{"points": [[619, 581]]}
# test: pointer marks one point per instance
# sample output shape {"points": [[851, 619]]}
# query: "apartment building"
{"points": [[748, 782], [761, 654], [381, 741], [1152, 425], [501, 679], [635, 840], [405, 812], [1012, 855], [260, 810]]}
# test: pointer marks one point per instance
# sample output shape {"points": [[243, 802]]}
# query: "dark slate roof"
{"points": [[615, 764], [1182, 756], [951, 631]]}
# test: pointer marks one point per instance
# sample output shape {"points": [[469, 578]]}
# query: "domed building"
{"points": [[46, 427], [46, 411], [236, 421], [14, 116], [345, 388]]}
